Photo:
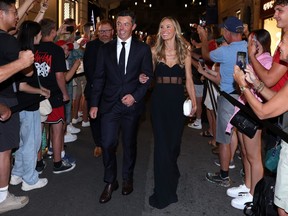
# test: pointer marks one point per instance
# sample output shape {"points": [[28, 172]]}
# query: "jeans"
{"points": [[30, 142], [68, 106]]}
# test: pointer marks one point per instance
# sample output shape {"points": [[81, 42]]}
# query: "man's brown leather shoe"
{"points": [[127, 187], [107, 192], [97, 151]]}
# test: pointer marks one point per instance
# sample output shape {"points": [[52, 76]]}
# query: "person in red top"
{"points": [[276, 76]]}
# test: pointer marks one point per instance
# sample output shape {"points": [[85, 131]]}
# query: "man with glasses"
{"points": [[119, 96], [9, 129], [105, 34]]}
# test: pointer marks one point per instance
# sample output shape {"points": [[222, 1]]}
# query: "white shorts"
{"points": [[208, 102], [281, 187]]}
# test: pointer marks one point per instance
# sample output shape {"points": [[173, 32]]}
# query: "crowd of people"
{"points": [[101, 80], [264, 76]]}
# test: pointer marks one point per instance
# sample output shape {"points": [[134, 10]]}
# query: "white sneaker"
{"points": [[73, 130], [239, 202], [68, 137], [85, 124], [195, 125], [75, 121], [15, 180], [13, 202], [41, 183], [237, 191]]}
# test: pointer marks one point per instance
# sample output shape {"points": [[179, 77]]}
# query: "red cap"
{"points": [[63, 42]]}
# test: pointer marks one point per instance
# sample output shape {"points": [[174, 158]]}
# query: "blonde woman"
{"points": [[172, 65]]}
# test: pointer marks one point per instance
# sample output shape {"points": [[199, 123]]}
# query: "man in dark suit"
{"points": [[116, 82], [105, 34]]}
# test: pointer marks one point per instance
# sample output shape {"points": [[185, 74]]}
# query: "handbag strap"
{"points": [[276, 130]]}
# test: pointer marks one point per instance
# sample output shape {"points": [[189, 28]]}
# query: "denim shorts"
{"points": [[225, 111], [199, 90]]}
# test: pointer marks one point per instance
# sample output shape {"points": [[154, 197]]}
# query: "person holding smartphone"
{"points": [[251, 148], [225, 56]]}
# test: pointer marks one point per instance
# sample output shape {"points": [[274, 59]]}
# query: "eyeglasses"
{"points": [[14, 11], [104, 31]]}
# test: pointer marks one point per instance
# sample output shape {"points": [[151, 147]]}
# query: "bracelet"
{"points": [[260, 87], [243, 88]]}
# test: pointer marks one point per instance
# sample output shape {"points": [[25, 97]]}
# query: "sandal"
{"points": [[210, 142], [206, 134]]}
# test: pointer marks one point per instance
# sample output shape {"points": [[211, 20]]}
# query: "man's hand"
{"points": [[93, 112], [128, 100], [26, 57], [5, 112], [66, 98]]}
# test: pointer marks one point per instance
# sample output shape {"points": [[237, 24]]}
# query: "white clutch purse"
{"points": [[187, 107]]}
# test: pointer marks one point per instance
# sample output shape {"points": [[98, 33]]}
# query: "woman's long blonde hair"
{"points": [[181, 45]]}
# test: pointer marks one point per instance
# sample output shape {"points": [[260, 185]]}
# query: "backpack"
{"points": [[263, 199]]}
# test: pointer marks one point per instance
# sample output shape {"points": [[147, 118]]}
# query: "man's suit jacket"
{"points": [[89, 61], [110, 85]]}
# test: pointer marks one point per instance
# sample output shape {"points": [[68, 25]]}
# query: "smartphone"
{"points": [[241, 60], [70, 29], [202, 62]]}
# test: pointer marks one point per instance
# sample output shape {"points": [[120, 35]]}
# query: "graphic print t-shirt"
{"points": [[49, 60]]}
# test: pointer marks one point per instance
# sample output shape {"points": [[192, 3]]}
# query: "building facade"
{"points": [[256, 13], [62, 9]]}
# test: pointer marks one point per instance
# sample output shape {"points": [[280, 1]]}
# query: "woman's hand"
{"points": [[45, 92], [200, 69], [143, 78], [239, 76], [193, 110], [252, 46], [250, 75]]}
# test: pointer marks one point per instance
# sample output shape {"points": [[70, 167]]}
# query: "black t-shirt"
{"points": [[27, 101], [9, 51], [49, 60], [196, 74]]}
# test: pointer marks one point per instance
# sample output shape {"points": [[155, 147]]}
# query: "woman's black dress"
{"points": [[167, 122]]}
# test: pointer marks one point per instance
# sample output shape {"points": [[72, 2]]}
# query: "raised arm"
{"points": [[26, 58], [276, 105], [204, 39], [269, 77], [41, 13]]}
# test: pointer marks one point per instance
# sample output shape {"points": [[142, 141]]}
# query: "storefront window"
{"points": [[270, 25], [69, 9]]}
